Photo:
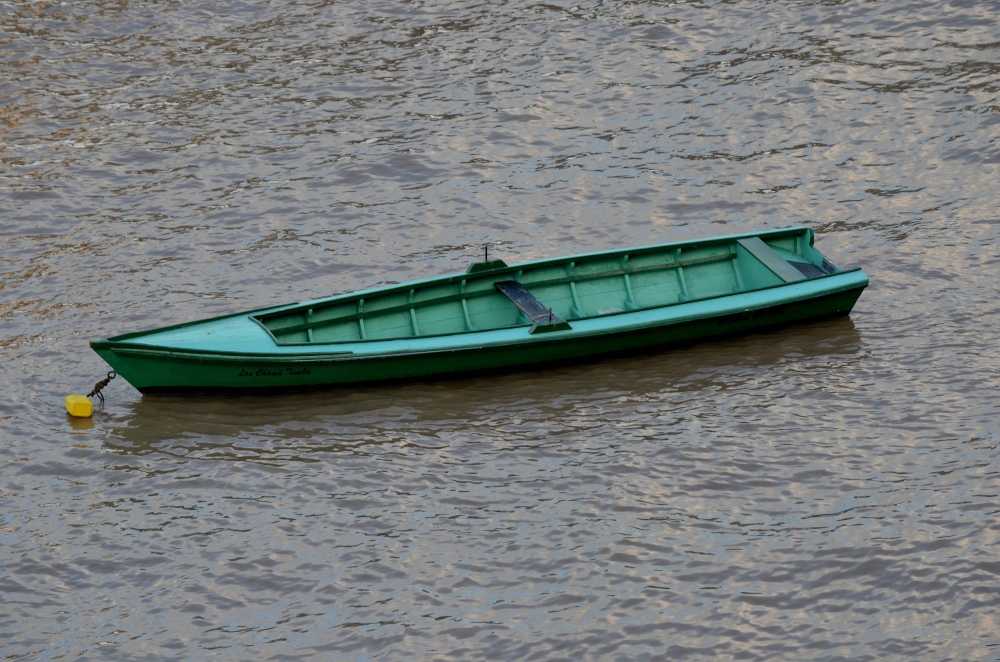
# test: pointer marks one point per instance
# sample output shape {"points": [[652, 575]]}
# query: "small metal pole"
{"points": [[486, 253]]}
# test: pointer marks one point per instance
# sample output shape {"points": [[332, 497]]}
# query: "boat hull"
{"points": [[152, 369]]}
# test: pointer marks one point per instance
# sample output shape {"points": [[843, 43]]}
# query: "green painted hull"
{"points": [[180, 359]]}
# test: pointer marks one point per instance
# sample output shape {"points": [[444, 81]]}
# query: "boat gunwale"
{"points": [[646, 349], [446, 279], [346, 355]]}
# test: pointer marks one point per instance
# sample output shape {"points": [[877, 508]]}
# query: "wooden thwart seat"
{"points": [[777, 264], [543, 318]]}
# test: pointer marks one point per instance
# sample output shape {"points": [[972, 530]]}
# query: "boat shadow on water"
{"points": [[306, 425]]}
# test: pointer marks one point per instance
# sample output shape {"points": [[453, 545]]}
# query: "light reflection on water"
{"points": [[825, 491]]}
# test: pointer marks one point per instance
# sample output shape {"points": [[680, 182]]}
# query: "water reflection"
{"points": [[301, 425], [821, 492], [79, 424]]}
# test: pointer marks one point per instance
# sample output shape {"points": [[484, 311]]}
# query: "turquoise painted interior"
{"points": [[574, 288]]}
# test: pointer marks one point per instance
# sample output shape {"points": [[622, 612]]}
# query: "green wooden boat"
{"points": [[496, 317]]}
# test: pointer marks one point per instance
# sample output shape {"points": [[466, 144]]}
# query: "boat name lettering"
{"points": [[273, 372], [751, 315]]}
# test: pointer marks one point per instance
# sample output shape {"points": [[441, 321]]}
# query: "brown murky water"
{"points": [[827, 491]]}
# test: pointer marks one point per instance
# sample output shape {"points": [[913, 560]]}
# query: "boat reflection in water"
{"points": [[304, 426]]}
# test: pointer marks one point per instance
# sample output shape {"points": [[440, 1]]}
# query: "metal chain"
{"points": [[100, 385]]}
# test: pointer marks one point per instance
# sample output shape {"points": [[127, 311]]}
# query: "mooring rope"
{"points": [[100, 385]]}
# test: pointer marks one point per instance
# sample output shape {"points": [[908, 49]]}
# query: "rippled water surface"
{"points": [[826, 491]]}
